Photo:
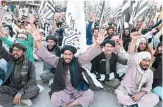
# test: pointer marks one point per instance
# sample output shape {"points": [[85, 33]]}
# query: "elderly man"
{"points": [[69, 87], [135, 88], [20, 81]]}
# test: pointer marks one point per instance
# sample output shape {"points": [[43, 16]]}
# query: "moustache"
{"points": [[67, 58], [15, 54]]}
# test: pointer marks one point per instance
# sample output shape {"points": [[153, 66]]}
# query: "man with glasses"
{"points": [[19, 84]]}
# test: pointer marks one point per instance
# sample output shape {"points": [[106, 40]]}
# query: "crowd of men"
{"points": [[129, 64]]}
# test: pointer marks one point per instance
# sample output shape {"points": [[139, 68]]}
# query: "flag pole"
{"points": [[101, 15]]}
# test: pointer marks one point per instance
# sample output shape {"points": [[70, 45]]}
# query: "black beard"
{"points": [[144, 69], [18, 59], [50, 49]]}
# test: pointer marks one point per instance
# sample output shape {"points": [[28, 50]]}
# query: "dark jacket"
{"points": [[158, 72], [11, 67], [99, 64], [2, 74]]}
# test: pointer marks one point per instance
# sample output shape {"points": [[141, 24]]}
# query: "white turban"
{"points": [[140, 57], [143, 55], [145, 73], [140, 40]]}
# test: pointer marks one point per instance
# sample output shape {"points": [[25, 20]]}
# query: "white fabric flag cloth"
{"points": [[75, 20], [1, 11]]}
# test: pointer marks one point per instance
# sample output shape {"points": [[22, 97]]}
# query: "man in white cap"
{"points": [[135, 88]]}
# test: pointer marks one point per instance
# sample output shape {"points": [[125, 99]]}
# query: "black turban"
{"points": [[108, 41], [19, 45], [70, 48], [51, 38]]}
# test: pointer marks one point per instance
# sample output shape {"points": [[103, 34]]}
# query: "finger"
{"points": [[16, 101], [19, 102], [132, 97]]}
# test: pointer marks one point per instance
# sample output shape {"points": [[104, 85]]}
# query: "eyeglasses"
{"points": [[16, 50]]}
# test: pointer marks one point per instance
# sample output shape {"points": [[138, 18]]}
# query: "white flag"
{"points": [[75, 19], [1, 11]]}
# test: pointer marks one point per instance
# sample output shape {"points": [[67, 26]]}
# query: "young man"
{"points": [[20, 81], [69, 87], [48, 70], [126, 38], [135, 88], [110, 32], [139, 44], [105, 64]]}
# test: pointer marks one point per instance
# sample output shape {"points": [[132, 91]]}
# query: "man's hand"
{"points": [[37, 36], [2, 34], [32, 19], [100, 38], [17, 100], [153, 30], [138, 96], [135, 35]]}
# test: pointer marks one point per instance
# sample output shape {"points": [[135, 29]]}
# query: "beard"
{"points": [[50, 49], [67, 60], [16, 57], [144, 68]]}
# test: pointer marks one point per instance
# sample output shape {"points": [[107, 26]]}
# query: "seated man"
{"points": [[20, 81], [104, 65], [48, 70], [69, 87], [135, 88]]}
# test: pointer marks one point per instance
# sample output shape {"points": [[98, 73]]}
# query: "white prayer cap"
{"points": [[143, 55], [22, 35], [141, 40], [41, 30]]}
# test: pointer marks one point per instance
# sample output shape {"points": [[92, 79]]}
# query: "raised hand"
{"points": [[100, 37], [153, 30], [2, 34], [36, 33], [31, 20], [135, 35]]}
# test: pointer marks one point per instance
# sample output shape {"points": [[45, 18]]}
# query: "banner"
{"points": [[75, 20]]}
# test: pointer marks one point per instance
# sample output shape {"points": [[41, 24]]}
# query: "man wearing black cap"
{"points": [[20, 80], [48, 70], [104, 65], [69, 87]]}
